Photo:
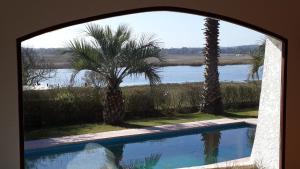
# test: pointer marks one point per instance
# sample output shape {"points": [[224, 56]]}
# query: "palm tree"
{"points": [[117, 151], [250, 136], [211, 142], [211, 93], [115, 55], [147, 162], [257, 61]]}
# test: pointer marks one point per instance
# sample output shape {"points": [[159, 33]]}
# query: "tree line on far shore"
{"points": [[244, 50]]}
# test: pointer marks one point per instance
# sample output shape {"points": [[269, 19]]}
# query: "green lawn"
{"points": [[95, 128]]}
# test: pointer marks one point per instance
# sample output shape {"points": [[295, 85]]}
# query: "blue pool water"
{"points": [[157, 151]]}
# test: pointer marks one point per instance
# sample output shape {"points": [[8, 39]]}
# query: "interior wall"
{"points": [[19, 18]]}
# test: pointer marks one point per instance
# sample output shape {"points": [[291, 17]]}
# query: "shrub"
{"points": [[162, 98], [139, 103], [62, 106], [240, 95], [193, 96]]}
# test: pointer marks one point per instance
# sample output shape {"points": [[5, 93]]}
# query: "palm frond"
{"points": [[257, 61], [122, 35], [99, 34], [147, 47], [115, 55], [110, 42], [146, 163], [134, 58], [73, 76], [150, 72], [150, 47], [86, 57]]}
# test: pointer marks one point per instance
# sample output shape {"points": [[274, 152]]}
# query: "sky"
{"points": [[173, 29]]}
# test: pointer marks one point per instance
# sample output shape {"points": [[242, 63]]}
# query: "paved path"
{"points": [[51, 142], [226, 164]]}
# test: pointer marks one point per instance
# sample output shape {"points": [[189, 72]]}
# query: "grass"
{"points": [[96, 128], [64, 61], [80, 105]]}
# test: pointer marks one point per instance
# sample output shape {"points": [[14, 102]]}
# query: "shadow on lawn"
{"points": [[128, 125], [232, 115]]}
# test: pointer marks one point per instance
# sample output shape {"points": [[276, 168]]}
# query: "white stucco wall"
{"points": [[267, 139]]}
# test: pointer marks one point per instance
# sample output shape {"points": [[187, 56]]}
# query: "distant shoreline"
{"points": [[64, 61]]}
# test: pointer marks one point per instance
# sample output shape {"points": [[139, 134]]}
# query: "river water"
{"points": [[169, 74]]}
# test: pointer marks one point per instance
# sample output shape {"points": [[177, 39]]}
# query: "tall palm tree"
{"points": [[211, 93], [211, 141], [257, 61], [250, 136], [117, 151], [115, 55]]}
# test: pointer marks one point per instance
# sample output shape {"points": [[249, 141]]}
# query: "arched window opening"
{"points": [[157, 89]]}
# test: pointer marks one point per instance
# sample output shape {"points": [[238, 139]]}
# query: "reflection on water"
{"points": [[169, 152], [145, 163], [211, 146], [251, 136], [118, 152], [93, 156]]}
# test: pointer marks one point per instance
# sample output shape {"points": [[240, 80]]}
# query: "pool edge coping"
{"points": [[75, 139], [246, 161]]}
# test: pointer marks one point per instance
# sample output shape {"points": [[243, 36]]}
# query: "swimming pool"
{"points": [[193, 147]]}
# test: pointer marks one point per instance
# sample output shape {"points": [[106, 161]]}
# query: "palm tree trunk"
{"points": [[117, 151], [113, 112], [211, 143], [211, 93]]}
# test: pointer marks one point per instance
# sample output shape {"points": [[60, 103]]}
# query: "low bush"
{"points": [[139, 103], [61, 106], [241, 95], [84, 105]]}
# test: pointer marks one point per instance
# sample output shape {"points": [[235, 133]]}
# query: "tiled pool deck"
{"points": [[51, 142]]}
